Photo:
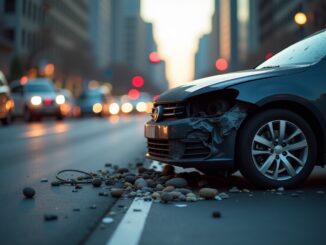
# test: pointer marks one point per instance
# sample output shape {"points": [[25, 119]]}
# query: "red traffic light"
{"points": [[268, 55], [133, 94], [221, 64], [137, 81], [154, 57]]}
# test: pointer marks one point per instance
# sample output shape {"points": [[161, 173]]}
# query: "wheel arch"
{"points": [[299, 106]]}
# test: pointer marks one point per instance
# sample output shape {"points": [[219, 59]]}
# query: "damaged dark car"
{"points": [[269, 122]]}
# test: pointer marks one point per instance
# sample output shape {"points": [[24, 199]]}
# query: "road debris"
{"points": [[96, 182], [76, 209], [93, 206], [234, 190], [180, 205], [207, 193], [280, 189], [29, 192], [44, 180], [216, 214], [117, 192], [177, 182], [107, 220], [50, 217]]}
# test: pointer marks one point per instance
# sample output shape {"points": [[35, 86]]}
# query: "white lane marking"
{"points": [[130, 229]]}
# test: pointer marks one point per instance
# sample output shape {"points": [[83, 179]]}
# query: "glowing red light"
{"points": [[23, 80], [133, 94], [221, 64], [154, 57], [268, 55], [155, 97], [137, 81], [47, 101]]}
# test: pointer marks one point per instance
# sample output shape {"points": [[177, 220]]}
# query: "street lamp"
{"points": [[300, 19]]}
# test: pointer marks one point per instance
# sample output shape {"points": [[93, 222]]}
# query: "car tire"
{"points": [[276, 148], [7, 120]]}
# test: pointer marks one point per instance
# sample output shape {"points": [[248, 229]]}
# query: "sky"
{"points": [[178, 25]]}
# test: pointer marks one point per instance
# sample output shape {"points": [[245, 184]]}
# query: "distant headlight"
{"points": [[126, 107], [97, 108], [60, 99], [36, 100], [141, 107], [114, 108]]}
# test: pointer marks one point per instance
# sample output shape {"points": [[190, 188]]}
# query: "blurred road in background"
{"points": [[30, 152]]}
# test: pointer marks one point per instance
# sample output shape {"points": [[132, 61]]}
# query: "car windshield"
{"points": [[305, 52], [39, 87], [91, 95]]}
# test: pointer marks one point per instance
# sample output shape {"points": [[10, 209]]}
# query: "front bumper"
{"points": [[45, 110], [175, 142]]}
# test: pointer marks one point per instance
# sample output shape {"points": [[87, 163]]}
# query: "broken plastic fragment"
{"points": [[180, 205], [107, 220]]}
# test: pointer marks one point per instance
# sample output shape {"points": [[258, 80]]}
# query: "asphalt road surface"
{"points": [[31, 152]]}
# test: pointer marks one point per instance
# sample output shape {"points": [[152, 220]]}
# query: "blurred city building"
{"points": [[246, 32], [45, 32], [132, 42], [81, 41], [100, 35]]}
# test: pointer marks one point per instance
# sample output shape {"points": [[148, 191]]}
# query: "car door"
{"points": [[18, 96]]}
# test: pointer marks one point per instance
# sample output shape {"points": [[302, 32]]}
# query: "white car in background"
{"points": [[36, 98]]}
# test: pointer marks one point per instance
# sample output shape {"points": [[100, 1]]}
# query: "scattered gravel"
{"points": [[29, 192], [166, 197], [234, 190], [96, 182], [140, 183], [117, 192], [50, 217], [177, 182], [207, 193], [168, 189], [216, 214]]}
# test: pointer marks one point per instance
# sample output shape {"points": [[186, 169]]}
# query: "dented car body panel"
{"points": [[196, 125]]}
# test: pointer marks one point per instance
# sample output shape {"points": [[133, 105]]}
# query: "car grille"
{"points": [[165, 149], [172, 110]]}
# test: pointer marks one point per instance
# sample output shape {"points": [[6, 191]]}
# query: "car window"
{"points": [[39, 87], [307, 51]]}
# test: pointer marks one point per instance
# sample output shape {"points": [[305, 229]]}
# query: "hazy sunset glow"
{"points": [[178, 25]]}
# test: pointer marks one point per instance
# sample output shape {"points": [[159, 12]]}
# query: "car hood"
{"points": [[219, 82]]}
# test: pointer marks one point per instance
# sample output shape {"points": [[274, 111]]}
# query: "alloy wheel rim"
{"points": [[279, 150]]}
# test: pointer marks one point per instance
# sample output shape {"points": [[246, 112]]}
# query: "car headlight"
{"points": [[36, 100], [126, 107], [114, 108], [97, 108], [60, 99], [141, 107]]}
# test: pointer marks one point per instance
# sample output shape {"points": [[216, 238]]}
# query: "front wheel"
{"points": [[276, 148], [8, 119]]}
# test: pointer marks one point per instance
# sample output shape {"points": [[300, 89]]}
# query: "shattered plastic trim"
{"points": [[218, 127]]}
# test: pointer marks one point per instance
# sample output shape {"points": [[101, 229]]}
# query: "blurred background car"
{"points": [[142, 104], [93, 102], [69, 108], [6, 102], [36, 98]]}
